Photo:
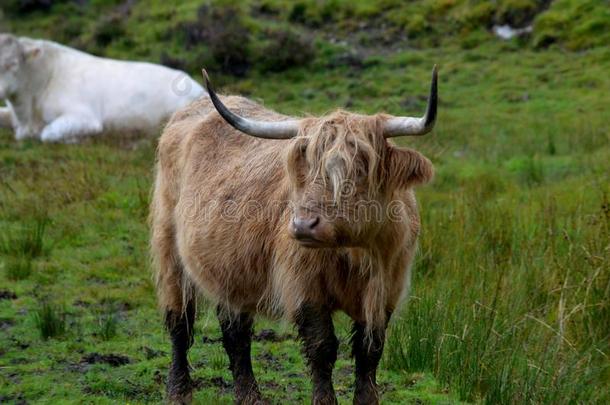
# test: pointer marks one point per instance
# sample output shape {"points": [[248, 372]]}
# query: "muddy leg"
{"points": [[315, 326], [237, 339], [180, 326], [367, 354], [175, 292]]}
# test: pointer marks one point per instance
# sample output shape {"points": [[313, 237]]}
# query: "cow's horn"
{"points": [[259, 129], [401, 126]]}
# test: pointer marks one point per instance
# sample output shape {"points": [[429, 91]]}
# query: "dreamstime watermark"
{"points": [[182, 85], [348, 208]]}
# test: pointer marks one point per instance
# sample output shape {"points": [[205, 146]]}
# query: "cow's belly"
{"points": [[214, 252], [134, 113]]}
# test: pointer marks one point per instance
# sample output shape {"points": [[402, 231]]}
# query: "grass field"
{"points": [[511, 289]]}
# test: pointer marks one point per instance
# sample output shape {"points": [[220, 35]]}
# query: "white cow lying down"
{"points": [[56, 93]]}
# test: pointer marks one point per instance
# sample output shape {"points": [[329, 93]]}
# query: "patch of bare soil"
{"points": [[6, 324], [7, 295], [114, 360], [269, 335], [151, 353]]}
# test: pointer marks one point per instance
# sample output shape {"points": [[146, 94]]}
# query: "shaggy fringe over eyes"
{"points": [[341, 147]]}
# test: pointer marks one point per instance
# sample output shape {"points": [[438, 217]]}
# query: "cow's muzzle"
{"points": [[306, 230]]}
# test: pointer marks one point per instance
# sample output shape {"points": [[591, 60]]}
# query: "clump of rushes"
{"points": [[107, 326], [29, 241], [50, 320], [32, 242], [18, 268]]}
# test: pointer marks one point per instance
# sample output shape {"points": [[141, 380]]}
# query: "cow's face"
{"points": [[11, 58], [343, 176]]}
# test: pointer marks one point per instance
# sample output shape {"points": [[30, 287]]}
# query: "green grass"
{"points": [[511, 288], [50, 321], [107, 326], [28, 241], [18, 268]]}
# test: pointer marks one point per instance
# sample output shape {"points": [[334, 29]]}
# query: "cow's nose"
{"points": [[304, 226]]}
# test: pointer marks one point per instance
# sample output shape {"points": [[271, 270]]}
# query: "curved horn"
{"points": [[401, 126], [259, 129]]}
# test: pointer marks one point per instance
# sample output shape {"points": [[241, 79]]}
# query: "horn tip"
{"points": [[206, 77]]}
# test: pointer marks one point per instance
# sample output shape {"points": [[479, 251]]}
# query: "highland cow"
{"points": [[261, 213]]}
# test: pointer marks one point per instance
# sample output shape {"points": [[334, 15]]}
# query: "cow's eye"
{"points": [[363, 166], [361, 175]]}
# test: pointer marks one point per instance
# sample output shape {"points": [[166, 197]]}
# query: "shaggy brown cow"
{"points": [[277, 227]]}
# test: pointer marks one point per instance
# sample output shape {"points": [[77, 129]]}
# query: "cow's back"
{"points": [[122, 95], [201, 151]]}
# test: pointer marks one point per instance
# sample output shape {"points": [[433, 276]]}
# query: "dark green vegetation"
{"points": [[511, 289]]}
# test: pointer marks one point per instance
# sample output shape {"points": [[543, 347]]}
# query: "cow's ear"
{"points": [[31, 51], [296, 160], [407, 168]]}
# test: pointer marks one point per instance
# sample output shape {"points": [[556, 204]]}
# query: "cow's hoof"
{"points": [[181, 399], [325, 399], [251, 397], [366, 396], [253, 401], [179, 389]]}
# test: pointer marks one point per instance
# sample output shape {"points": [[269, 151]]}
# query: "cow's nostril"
{"points": [[314, 222], [305, 226]]}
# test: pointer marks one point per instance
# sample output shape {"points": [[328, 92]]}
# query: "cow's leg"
{"points": [[175, 294], [180, 326], [67, 128], [237, 338], [6, 120], [315, 326], [367, 351]]}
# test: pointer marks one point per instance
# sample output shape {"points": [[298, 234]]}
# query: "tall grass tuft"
{"points": [[29, 241], [218, 360], [107, 326], [50, 320], [18, 268]]}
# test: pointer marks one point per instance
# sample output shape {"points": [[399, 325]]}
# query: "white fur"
{"points": [[55, 93]]}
